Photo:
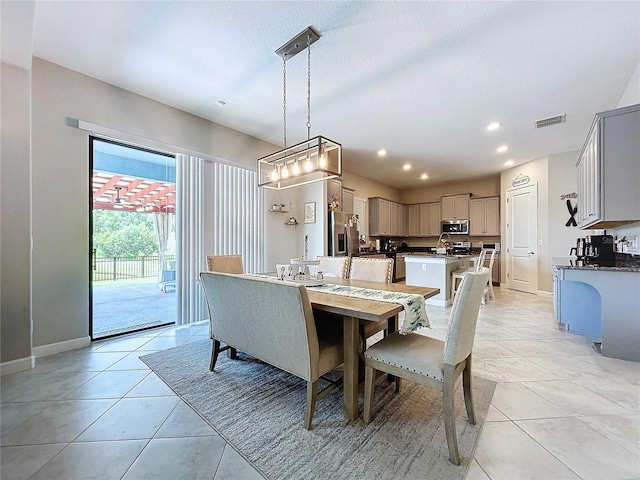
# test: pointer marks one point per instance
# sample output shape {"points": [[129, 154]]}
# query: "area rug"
{"points": [[259, 410]]}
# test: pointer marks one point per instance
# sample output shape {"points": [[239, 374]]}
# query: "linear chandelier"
{"points": [[314, 160]]}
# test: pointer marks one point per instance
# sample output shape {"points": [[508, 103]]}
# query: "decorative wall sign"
{"points": [[572, 211], [310, 212], [520, 180], [568, 195]]}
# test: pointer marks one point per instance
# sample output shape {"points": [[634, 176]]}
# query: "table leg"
{"points": [[392, 326], [351, 357]]}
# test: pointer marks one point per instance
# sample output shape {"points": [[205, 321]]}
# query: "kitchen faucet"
{"points": [[438, 248]]}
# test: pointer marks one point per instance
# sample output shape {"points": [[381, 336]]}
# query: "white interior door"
{"points": [[522, 232]]}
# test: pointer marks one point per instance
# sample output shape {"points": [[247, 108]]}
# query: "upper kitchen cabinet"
{"points": [[397, 226], [455, 207], [609, 171], [347, 200], [429, 219], [484, 216], [379, 217], [412, 222], [386, 218]]}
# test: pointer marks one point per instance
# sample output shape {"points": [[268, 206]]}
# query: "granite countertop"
{"points": [[621, 263]]}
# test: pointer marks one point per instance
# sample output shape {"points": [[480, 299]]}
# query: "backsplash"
{"points": [[626, 259]]}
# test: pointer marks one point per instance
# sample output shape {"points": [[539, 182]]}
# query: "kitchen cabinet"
{"points": [[607, 171], [379, 217], [397, 214], [484, 216], [601, 303], [400, 268], [455, 207], [386, 218], [347, 200], [412, 220], [429, 219]]}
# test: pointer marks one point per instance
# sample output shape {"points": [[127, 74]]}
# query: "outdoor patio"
{"points": [[120, 306]]}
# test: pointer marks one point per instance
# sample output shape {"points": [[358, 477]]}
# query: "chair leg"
{"points": [[450, 417], [398, 384], [215, 350], [232, 353], [492, 294], [312, 394], [468, 392], [369, 376]]}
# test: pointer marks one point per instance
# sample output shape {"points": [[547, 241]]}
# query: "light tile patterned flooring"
{"points": [[560, 410]]}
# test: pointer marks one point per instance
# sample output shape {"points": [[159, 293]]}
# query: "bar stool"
{"points": [[460, 273]]}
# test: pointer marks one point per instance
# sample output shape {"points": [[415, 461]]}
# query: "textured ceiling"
{"points": [[419, 79]]}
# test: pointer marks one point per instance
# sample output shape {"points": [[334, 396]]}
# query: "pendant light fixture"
{"points": [[314, 160]]}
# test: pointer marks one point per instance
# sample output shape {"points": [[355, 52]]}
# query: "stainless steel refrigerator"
{"points": [[343, 234]]}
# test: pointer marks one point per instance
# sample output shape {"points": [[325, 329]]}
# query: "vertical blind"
{"points": [[189, 238], [237, 222], [217, 213]]}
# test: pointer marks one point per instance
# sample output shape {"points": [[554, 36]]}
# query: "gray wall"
{"points": [[15, 234], [61, 181]]}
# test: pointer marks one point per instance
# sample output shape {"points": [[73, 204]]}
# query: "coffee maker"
{"points": [[599, 247], [580, 248]]}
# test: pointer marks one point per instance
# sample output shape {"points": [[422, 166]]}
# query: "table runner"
{"points": [[413, 317], [414, 305]]}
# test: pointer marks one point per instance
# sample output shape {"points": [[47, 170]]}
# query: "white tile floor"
{"points": [[560, 410]]}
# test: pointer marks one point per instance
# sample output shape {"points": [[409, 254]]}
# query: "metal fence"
{"points": [[127, 268]]}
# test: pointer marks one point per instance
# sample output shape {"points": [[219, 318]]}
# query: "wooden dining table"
{"points": [[353, 311]]}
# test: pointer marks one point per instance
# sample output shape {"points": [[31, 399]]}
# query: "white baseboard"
{"points": [[438, 303], [19, 365], [543, 293], [53, 348]]}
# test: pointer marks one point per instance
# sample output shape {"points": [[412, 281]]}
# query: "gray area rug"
{"points": [[259, 410]]}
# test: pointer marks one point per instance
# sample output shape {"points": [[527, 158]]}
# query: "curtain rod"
{"points": [[148, 143]]}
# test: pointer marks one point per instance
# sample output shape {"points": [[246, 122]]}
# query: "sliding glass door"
{"points": [[132, 231]]}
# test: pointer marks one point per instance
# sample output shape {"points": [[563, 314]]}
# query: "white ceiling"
{"points": [[419, 79]]}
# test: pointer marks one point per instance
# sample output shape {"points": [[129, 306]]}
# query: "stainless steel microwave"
{"points": [[455, 227]]}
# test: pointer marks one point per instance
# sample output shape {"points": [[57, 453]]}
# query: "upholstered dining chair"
{"points": [[224, 264], [335, 267], [371, 270], [432, 362]]}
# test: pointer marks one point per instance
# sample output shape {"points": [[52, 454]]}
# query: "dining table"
{"points": [[353, 311]]}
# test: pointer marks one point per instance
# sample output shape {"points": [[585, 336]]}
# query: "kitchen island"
{"points": [[602, 301], [425, 270]]}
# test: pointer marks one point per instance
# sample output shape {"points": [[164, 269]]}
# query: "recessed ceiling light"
{"points": [[508, 163], [406, 166], [382, 153], [502, 149], [493, 126], [221, 102], [424, 176]]}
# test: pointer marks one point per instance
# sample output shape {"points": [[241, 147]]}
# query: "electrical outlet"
{"points": [[424, 266]]}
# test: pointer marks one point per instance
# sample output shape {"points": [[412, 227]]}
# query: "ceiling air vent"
{"points": [[547, 122]]}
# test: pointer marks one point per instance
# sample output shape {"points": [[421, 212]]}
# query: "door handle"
{"points": [[531, 253]]}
